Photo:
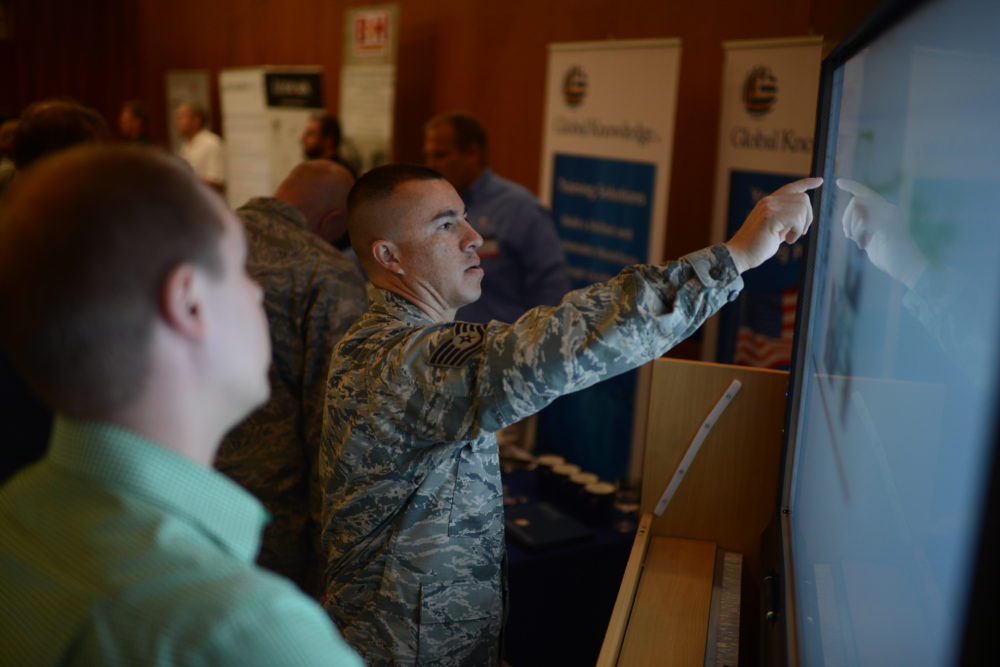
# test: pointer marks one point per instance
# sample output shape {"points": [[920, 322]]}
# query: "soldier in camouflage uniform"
{"points": [[312, 294], [412, 507]]}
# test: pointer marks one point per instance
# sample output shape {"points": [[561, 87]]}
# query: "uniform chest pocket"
{"points": [[459, 623]]}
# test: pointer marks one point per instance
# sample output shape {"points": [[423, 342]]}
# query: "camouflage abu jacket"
{"points": [[412, 506]]}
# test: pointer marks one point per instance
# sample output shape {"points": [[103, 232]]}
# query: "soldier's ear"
{"points": [[386, 255]]}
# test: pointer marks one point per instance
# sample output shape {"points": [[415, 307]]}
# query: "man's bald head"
{"points": [[375, 210], [319, 189]]}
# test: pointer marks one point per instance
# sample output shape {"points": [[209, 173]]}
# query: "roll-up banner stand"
{"points": [[769, 94], [608, 140], [368, 84], [264, 110]]}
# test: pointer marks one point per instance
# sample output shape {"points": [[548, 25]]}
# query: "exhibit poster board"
{"points": [[769, 92], [264, 110], [607, 147], [368, 82]]}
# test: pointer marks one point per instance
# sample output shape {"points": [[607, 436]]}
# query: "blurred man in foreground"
{"points": [[127, 308]]}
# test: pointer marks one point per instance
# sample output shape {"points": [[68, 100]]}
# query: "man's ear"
{"points": [[386, 255], [181, 301]]}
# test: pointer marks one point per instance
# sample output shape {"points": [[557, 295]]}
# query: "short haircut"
{"points": [[379, 183], [469, 131], [374, 187], [329, 126], [87, 238], [53, 125]]}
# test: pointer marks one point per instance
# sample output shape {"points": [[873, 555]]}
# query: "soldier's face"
{"points": [[437, 245]]}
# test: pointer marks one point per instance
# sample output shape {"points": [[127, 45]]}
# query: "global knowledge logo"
{"points": [[575, 86], [760, 91]]}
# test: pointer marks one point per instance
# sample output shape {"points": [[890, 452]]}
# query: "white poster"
{"points": [[368, 82], [769, 93], [608, 140], [264, 110]]}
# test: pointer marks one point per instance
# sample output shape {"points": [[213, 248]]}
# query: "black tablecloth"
{"points": [[561, 598]]}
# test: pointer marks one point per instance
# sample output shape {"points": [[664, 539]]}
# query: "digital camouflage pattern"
{"points": [[412, 505], [312, 295]]}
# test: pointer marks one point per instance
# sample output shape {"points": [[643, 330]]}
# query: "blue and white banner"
{"points": [[608, 141], [765, 140], [604, 210]]}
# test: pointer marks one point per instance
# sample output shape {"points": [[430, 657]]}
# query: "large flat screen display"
{"points": [[893, 416]]}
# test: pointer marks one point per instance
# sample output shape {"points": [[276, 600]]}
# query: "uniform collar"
{"points": [[278, 207], [384, 302]]}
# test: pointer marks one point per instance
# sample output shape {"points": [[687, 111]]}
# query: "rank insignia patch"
{"points": [[466, 341]]}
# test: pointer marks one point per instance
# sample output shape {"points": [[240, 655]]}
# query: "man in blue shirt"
{"points": [[521, 255], [127, 308]]}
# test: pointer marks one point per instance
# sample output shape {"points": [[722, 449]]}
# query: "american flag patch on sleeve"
{"points": [[466, 340]]}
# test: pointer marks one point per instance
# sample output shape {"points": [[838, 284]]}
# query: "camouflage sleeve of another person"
{"points": [[460, 378], [336, 300]]}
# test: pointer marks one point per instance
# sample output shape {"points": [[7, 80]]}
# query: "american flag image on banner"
{"points": [[767, 329]]}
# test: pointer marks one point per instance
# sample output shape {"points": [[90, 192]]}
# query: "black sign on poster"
{"points": [[300, 89]]}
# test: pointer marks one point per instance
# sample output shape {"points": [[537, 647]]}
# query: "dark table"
{"points": [[561, 598]]}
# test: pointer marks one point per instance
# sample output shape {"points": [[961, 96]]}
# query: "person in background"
{"points": [[133, 122], [200, 147], [412, 510], [49, 126], [322, 140], [312, 294], [321, 137], [127, 308]]}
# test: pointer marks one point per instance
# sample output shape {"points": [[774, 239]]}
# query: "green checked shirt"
{"points": [[116, 551]]}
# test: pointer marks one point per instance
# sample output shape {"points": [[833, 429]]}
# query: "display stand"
{"points": [[264, 110], [673, 607]]}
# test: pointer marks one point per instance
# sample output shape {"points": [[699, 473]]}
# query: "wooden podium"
{"points": [[664, 613]]}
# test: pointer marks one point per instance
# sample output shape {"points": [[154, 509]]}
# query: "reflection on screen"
{"points": [[896, 411]]}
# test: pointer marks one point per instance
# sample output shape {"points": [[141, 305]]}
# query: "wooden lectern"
{"points": [[665, 614]]}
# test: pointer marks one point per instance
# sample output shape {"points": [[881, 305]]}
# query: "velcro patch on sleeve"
{"points": [[466, 340]]}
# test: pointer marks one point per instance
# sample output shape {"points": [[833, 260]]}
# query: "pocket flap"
{"points": [[448, 602]]}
